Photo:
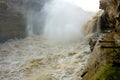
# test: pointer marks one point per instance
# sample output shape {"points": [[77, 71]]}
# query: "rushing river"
{"points": [[60, 53], [37, 58]]}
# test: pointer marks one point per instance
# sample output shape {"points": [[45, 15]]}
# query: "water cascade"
{"points": [[58, 19], [55, 48]]}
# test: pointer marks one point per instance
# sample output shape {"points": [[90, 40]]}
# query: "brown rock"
{"points": [[104, 63]]}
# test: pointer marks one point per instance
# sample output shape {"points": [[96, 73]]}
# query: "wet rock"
{"points": [[93, 40], [103, 4], [26, 5], [3, 7], [12, 24], [104, 62]]}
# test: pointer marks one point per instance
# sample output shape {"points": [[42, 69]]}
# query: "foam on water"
{"points": [[36, 58]]}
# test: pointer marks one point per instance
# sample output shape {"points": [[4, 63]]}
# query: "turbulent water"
{"points": [[37, 58], [54, 49]]}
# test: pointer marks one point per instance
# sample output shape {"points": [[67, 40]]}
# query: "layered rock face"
{"points": [[13, 17], [25, 5], [104, 63], [12, 24]]}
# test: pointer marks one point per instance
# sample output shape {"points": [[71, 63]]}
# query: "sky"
{"points": [[88, 5]]}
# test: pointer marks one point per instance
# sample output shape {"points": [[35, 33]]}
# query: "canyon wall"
{"points": [[12, 23], [104, 62], [13, 20]]}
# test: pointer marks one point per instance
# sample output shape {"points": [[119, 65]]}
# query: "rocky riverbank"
{"points": [[104, 63]]}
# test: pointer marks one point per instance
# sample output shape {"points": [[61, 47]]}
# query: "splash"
{"points": [[64, 21], [37, 58], [55, 19], [58, 20]]}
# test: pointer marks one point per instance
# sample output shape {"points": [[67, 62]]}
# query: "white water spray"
{"points": [[63, 21], [35, 57]]}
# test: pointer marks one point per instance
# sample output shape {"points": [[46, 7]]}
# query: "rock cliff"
{"points": [[12, 17], [104, 62], [12, 24]]}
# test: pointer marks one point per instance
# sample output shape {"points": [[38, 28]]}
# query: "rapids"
{"points": [[55, 48], [37, 58]]}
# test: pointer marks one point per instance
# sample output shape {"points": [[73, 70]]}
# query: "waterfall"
{"points": [[64, 21], [60, 20], [55, 48], [30, 24], [93, 25]]}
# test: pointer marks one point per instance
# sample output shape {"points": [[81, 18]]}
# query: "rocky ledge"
{"points": [[104, 62]]}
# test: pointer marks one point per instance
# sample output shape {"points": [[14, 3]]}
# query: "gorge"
{"points": [[57, 40]]}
